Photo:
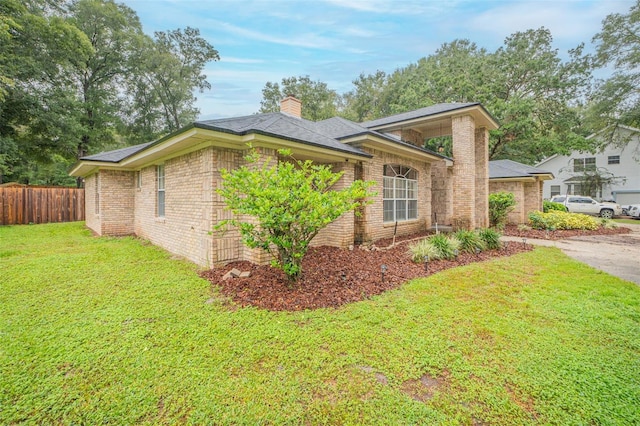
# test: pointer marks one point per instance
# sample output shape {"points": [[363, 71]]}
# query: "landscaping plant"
{"points": [[491, 238], [423, 248], [500, 204], [470, 241], [445, 246], [550, 205], [279, 206], [561, 220]]}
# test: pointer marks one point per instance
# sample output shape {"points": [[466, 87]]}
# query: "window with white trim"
{"points": [[613, 159], [400, 193], [161, 192], [555, 190], [582, 164]]}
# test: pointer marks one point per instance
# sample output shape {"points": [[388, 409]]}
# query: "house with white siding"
{"points": [[618, 165]]}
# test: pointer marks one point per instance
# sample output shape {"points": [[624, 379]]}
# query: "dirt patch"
{"points": [[424, 388], [333, 277]]}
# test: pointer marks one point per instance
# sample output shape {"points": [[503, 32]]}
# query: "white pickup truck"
{"points": [[587, 205]]}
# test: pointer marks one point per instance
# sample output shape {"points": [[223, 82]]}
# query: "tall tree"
{"points": [[524, 84], [37, 111], [366, 101], [318, 101], [171, 68], [617, 100], [115, 33]]}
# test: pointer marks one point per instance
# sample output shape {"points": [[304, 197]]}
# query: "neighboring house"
{"points": [[525, 182], [165, 191], [619, 160]]}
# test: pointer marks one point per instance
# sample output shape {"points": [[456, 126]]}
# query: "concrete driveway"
{"points": [[617, 255]]}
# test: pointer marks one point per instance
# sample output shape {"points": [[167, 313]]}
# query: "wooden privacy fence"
{"points": [[21, 205]]}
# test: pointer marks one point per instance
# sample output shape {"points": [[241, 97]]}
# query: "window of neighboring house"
{"points": [[584, 164], [574, 189], [161, 192], [613, 159], [400, 193], [97, 192], [555, 190]]}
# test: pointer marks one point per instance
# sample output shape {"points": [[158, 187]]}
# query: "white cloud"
{"points": [[308, 40]]}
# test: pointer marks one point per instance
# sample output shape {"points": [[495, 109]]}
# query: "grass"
{"points": [[627, 221], [104, 330]]}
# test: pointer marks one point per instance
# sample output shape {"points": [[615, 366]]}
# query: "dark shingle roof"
{"points": [[118, 154], [512, 169], [419, 113], [283, 126]]}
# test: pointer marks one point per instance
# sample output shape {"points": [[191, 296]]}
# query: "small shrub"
{"points": [[470, 241], [423, 248], [561, 220], [446, 246], [524, 227], [608, 223], [500, 204], [491, 238], [547, 206]]}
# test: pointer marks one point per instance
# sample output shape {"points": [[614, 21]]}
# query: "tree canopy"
{"points": [[80, 77], [617, 99], [535, 94]]}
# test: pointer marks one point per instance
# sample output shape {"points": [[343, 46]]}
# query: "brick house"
{"points": [[165, 191], [525, 182]]}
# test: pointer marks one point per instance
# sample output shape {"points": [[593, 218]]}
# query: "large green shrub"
{"points": [[561, 220], [280, 206], [500, 204], [547, 206]]}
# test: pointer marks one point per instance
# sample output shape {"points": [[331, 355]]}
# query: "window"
{"points": [[555, 190], [613, 159], [160, 200], [400, 193], [574, 189], [582, 164]]}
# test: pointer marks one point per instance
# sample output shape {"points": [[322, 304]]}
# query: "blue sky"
{"points": [[335, 40]]}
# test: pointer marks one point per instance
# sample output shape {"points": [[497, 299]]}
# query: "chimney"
{"points": [[291, 106]]}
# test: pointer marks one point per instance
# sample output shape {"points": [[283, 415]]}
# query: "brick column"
{"points": [[464, 172], [482, 177]]}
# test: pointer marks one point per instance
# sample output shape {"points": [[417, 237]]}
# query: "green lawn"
{"points": [[105, 330], [627, 221]]}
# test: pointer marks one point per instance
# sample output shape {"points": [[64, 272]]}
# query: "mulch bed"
{"points": [[333, 277], [513, 231]]}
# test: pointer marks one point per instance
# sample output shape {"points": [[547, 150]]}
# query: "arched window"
{"points": [[400, 194]]}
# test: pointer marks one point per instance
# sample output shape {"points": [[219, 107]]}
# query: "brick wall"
{"points": [[341, 232], [518, 215], [91, 191], [532, 197], [373, 226], [441, 192], [185, 228], [117, 202]]}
